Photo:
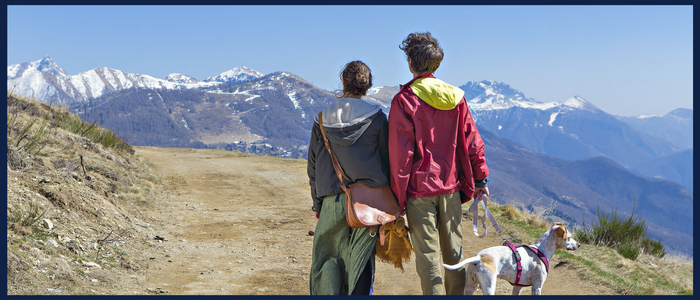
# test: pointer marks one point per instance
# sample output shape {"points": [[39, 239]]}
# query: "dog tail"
{"points": [[463, 263]]}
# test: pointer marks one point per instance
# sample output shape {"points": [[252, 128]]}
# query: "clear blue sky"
{"points": [[627, 60]]}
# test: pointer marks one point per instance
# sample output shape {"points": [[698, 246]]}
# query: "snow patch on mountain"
{"points": [[646, 116], [552, 118], [293, 96]]}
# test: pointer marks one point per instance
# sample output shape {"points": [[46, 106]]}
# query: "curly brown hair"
{"points": [[424, 51], [356, 78]]}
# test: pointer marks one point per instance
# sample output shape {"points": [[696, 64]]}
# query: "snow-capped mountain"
{"points": [[46, 81], [493, 95], [180, 78], [572, 129], [237, 74], [381, 96], [676, 126]]}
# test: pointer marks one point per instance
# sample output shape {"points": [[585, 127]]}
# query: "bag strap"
{"points": [[334, 158], [341, 174]]}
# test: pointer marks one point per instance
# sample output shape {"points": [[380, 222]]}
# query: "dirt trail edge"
{"points": [[238, 224]]}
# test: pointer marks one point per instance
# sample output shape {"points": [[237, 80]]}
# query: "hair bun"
{"points": [[361, 78], [356, 78]]}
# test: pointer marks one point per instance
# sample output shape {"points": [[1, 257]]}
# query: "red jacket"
{"points": [[434, 146]]}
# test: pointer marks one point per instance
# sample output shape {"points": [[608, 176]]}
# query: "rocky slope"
{"points": [[75, 208]]}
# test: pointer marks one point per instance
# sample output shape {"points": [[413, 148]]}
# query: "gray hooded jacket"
{"points": [[358, 134]]}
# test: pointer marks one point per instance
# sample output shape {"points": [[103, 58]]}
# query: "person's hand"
{"points": [[317, 214], [481, 193]]}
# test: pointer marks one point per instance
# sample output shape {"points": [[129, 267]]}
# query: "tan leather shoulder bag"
{"points": [[366, 205]]}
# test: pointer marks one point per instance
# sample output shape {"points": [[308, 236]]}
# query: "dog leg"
{"points": [[470, 286], [536, 290], [516, 290], [472, 281], [537, 284], [488, 284]]}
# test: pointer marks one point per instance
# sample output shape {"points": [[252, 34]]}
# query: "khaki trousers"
{"points": [[435, 223]]}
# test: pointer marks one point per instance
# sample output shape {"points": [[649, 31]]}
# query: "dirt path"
{"points": [[239, 225]]}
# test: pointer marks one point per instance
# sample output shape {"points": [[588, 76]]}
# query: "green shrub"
{"points": [[629, 250], [31, 136], [653, 248], [628, 236]]}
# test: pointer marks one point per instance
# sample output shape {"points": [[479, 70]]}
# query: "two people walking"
{"points": [[428, 150]]}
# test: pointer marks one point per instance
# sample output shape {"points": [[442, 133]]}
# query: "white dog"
{"points": [[501, 262]]}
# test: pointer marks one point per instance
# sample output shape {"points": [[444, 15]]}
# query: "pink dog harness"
{"points": [[517, 259]]}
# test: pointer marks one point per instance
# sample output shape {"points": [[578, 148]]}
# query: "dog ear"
{"points": [[560, 232]]}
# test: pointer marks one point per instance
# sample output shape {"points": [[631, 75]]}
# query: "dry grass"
{"points": [[513, 213]]}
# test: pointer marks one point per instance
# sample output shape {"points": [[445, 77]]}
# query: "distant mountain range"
{"points": [[45, 80], [573, 191], [561, 159]]}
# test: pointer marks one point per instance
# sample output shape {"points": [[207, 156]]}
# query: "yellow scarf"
{"points": [[397, 247]]}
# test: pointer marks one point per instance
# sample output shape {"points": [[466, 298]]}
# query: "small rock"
{"points": [[90, 264], [95, 280], [48, 224], [53, 243], [160, 238]]}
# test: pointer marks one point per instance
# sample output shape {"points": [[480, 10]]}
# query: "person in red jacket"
{"points": [[437, 162]]}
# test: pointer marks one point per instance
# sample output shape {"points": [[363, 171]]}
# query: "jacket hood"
{"points": [[347, 112], [437, 93], [346, 119]]}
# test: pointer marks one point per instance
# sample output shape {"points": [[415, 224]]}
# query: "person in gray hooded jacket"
{"points": [[343, 257]]}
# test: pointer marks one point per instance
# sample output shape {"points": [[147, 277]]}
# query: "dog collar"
{"points": [[517, 259]]}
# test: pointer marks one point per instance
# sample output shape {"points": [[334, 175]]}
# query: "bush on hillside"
{"points": [[627, 236]]}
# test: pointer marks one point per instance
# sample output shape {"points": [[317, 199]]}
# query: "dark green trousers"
{"points": [[340, 253]]}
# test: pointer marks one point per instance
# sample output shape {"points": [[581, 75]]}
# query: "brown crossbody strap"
{"points": [[334, 159]]}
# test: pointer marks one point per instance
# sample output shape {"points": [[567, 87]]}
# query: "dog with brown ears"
{"points": [[521, 265]]}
